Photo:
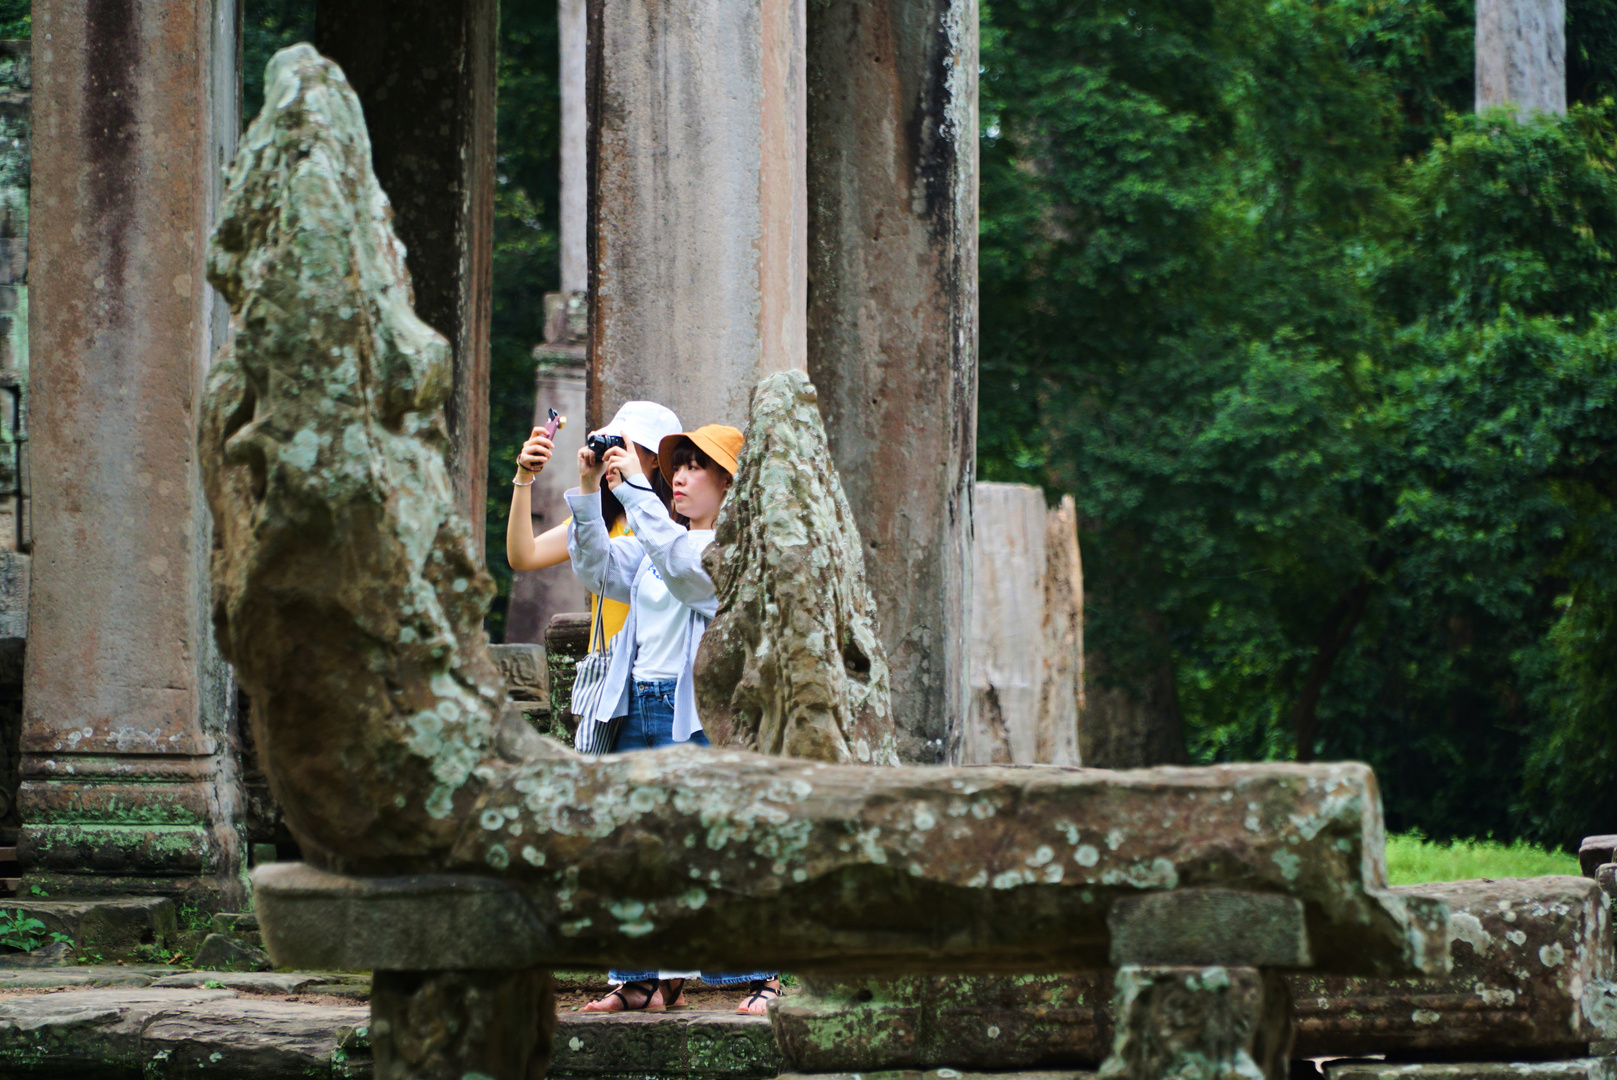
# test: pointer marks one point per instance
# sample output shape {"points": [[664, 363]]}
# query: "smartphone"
{"points": [[552, 424]]}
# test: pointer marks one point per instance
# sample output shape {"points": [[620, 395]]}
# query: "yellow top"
{"points": [[614, 612]]}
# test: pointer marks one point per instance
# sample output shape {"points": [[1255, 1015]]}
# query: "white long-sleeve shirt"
{"points": [[614, 567]]}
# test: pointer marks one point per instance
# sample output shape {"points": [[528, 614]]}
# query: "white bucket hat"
{"points": [[644, 422]]}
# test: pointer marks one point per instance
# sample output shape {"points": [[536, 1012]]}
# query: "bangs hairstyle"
{"points": [[688, 453]]}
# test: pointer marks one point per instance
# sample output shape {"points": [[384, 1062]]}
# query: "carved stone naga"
{"points": [[350, 599]]}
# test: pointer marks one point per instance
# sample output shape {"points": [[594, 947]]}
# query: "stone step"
{"points": [[1589, 1068], [159, 1033], [105, 923]]}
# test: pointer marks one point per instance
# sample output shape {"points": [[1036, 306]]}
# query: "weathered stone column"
{"points": [[697, 209], [572, 24], [425, 72], [892, 322], [15, 120], [1521, 55], [128, 776], [1026, 632]]}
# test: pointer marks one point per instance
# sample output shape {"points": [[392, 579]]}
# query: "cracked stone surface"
{"points": [[793, 663]]}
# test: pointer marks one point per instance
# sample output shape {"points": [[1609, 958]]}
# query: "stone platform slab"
{"points": [[154, 1034], [1589, 1068]]}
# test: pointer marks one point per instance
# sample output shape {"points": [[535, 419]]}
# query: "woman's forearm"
{"points": [[519, 529]]}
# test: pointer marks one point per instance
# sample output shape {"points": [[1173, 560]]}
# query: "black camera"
{"points": [[600, 444]]}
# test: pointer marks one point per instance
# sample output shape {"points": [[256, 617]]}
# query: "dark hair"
{"points": [[611, 509], [688, 453]]}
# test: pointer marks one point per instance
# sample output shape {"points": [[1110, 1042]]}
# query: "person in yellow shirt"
{"points": [[644, 424]]}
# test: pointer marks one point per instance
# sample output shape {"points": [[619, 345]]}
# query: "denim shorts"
{"points": [[650, 724]]}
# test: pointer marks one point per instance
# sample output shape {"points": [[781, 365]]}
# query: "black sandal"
{"points": [[648, 988], [758, 991], [672, 989]]}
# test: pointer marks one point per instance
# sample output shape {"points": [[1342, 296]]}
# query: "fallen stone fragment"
{"points": [[525, 670], [679, 1043], [1533, 974], [1200, 1023], [793, 663], [56, 954], [861, 1025], [1587, 1068], [1596, 851], [221, 953]]}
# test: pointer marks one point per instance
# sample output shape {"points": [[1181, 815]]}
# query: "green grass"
{"points": [[1412, 859]]}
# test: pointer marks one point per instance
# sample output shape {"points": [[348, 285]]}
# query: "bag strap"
{"points": [[599, 628]]}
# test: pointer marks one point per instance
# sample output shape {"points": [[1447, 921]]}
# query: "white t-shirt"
{"points": [[661, 625]]}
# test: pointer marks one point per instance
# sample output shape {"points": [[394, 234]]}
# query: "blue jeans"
{"points": [[650, 724]]}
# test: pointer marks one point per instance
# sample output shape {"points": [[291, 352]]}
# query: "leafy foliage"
{"points": [[268, 26], [16, 18], [1328, 367], [22, 932]]}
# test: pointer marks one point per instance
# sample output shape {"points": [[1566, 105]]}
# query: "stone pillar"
{"points": [[425, 73], [129, 781], [15, 93], [1200, 1023], [892, 323], [1521, 55], [1026, 632], [697, 214], [572, 22]]}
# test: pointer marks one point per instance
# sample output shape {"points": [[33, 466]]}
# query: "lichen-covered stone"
{"points": [[347, 590], [350, 598], [1533, 974], [1200, 1023], [793, 662], [997, 1022]]}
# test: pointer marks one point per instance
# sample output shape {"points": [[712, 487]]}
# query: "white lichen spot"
{"points": [[993, 1031], [1552, 955], [491, 819], [575, 1044], [1516, 937], [1114, 839], [1290, 864], [1425, 1016], [924, 819], [978, 880], [532, 855], [1053, 873], [637, 929], [498, 857], [627, 910], [694, 897], [1043, 855], [1086, 855], [800, 874], [1010, 879]]}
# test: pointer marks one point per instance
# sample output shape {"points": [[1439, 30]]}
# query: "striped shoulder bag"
{"points": [[594, 737]]}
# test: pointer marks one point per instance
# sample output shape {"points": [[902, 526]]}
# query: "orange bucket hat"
{"points": [[720, 442]]}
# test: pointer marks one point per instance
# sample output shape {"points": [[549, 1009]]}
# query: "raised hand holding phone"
{"points": [[536, 451]]}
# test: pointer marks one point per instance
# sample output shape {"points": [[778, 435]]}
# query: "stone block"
{"points": [[1200, 1023], [1596, 851], [155, 1032], [218, 952], [1209, 926], [1532, 971], [112, 924], [694, 1044], [1586, 1068], [963, 1022], [947, 1074], [526, 671], [317, 921]]}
